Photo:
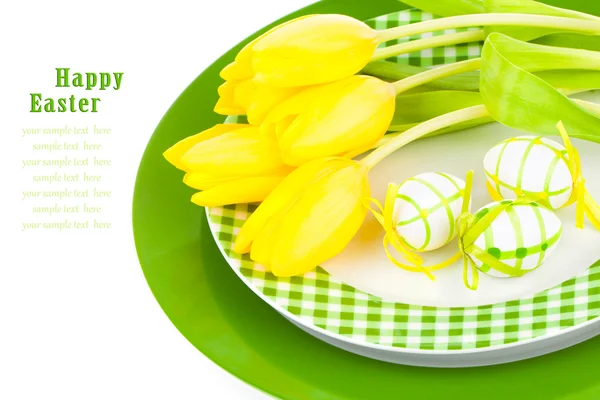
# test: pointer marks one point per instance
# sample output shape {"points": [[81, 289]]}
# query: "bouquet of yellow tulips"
{"points": [[310, 111]]}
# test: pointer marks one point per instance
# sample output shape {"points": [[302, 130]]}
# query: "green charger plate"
{"points": [[323, 303], [217, 313]]}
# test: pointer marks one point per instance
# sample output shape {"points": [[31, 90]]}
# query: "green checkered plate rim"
{"points": [[321, 302]]}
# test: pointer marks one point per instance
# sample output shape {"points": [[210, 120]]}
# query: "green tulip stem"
{"points": [[449, 39], [590, 27], [427, 127], [433, 74]]}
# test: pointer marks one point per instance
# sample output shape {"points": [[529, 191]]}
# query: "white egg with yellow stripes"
{"points": [[519, 235], [529, 165], [426, 209]]}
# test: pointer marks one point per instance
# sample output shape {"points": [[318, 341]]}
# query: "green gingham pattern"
{"points": [[427, 57], [317, 299]]}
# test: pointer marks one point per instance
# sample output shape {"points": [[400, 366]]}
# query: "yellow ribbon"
{"points": [[465, 221], [469, 230], [385, 218], [585, 204]]}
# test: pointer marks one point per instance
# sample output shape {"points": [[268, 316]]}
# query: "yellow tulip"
{"points": [[343, 118], [241, 68], [241, 94], [230, 163], [310, 217], [309, 50]]}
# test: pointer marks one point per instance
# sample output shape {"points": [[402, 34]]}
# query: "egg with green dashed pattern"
{"points": [[522, 236], [426, 209], [530, 165]]}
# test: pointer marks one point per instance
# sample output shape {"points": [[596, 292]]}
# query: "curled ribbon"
{"points": [[585, 204], [465, 221], [470, 228], [384, 216]]}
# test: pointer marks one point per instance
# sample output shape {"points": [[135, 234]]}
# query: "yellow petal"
{"points": [[282, 115], [242, 152], [289, 189], [244, 190], [305, 101], [294, 105], [229, 72], [242, 68], [244, 94], [227, 109], [319, 49], [358, 150], [176, 152], [261, 251], [235, 97], [226, 90], [340, 120], [265, 99], [204, 180], [226, 105], [321, 222], [224, 108], [238, 70]]}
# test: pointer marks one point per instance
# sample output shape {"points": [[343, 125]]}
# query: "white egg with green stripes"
{"points": [[426, 209], [530, 165], [522, 236]]}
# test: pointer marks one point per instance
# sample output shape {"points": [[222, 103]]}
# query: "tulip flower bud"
{"points": [[309, 50], [342, 118], [313, 50], [230, 163], [306, 51], [309, 218]]}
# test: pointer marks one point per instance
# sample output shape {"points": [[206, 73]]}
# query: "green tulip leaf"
{"points": [[569, 79], [521, 100], [528, 7], [536, 57], [391, 71], [448, 8], [572, 40], [413, 109]]}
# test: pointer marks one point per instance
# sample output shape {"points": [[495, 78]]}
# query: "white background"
{"points": [[77, 320]]}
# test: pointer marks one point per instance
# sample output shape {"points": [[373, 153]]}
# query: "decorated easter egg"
{"points": [[521, 236], [426, 210], [529, 165]]}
